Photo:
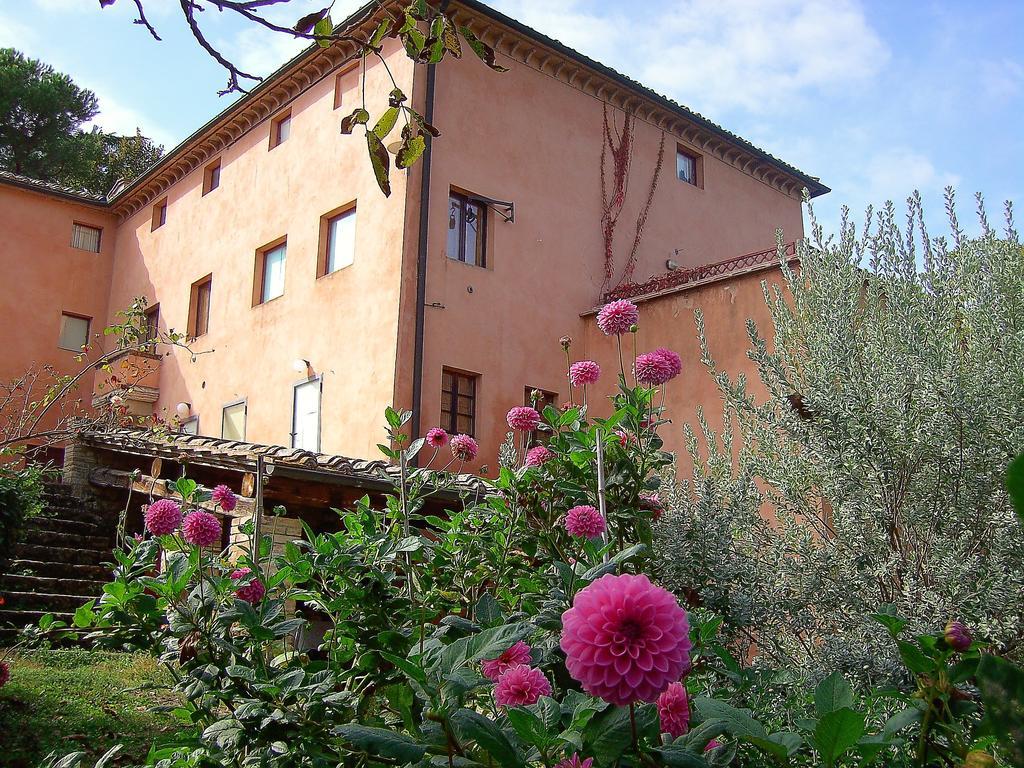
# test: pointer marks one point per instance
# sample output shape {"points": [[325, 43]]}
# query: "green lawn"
{"points": [[74, 700]]}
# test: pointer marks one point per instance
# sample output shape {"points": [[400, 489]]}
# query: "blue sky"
{"points": [[876, 98]]}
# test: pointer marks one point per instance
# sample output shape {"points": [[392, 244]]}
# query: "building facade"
{"points": [[311, 301]]}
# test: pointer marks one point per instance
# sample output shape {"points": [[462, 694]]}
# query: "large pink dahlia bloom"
{"points": [[251, 589], [163, 517], [584, 521], [521, 686], [437, 438], [617, 317], [463, 447], [202, 529], [523, 418], [584, 372], [670, 360], [537, 456], [674, 710], [225, 497], [625, 639], [575, 762], [657, 367], [513, 657]]}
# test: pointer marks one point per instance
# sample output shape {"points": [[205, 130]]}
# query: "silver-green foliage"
{"points": [[866, 465]]}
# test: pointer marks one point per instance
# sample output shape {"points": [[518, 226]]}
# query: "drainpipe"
{"points": [[421, 258]]}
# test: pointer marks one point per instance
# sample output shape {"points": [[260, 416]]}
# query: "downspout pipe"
{"points": [[421, 257]]}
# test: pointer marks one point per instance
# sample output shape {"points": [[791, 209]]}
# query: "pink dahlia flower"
{"points": [[202, 529], [521, 686], [437, 438], [674, 710], [163, 517], [5, 673], [958, 637], [617, 317], [584, 522], [537, 456], [464, 447], [713, 744], [584, 372], [575, 762], [523, 418], [516, 655], [225, 497], [652, 503], [651, 369], [672, 363], [251, 589], [625, 639]]}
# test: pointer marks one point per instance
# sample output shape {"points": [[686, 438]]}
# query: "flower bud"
{"points": [[957, 636], [566, 342], [634, 328]]}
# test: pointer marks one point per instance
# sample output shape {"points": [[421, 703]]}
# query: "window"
{"points": [[306, 415], [687, 167], [339, 241], [159, 214], [85, 237], [280, 129], [211, 177], [467, 229], [539, 399], [345, 81], [232, 424], [190, 426], [74, 332], [151, 324], [270, 266], [458, 402], [199, 307]]}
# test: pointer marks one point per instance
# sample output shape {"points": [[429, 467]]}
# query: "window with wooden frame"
{"points": [[458, 401], [151, 325], [199, 307], [689, 167], [74, 332], [467, 229], [270, 263], [233, 418], [337, 240], [211, 177], [346, 81], [159, 214], [539, 399], [85, 237], [280, 129]]}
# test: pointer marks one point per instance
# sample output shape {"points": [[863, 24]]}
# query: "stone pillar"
{"points": [[79, 461]]}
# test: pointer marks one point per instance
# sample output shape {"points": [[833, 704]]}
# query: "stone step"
{"points": [[36, 601], [58, 537], [29, 567], [65, 526], [71, 555], [18, 619], [53, 585]]}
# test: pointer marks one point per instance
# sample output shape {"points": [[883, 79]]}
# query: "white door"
{"points": [[306, 416]]}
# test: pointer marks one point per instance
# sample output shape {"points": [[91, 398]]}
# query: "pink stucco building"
{"points": [[313, 302]]}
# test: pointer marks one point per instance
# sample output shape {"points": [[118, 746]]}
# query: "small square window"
{"points": [[211, 177], [151, 324], [345, 81], [74, 332], [199, 307], [280, 129], [458, 401], [85, 237], [232, 425], [467, 229], [688, 167], [159, 214], [339, 241], [270, 264]]}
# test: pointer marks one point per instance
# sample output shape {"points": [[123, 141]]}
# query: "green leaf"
{"points": [[914, 658], [611, 733], [836, 732], [382, 31], [832, 693], [1015, 485], [411, 151], [226, 734], [309, 21], [528, 726], [489, 737], [386, 123], [359, 117], [185, 487], [381, 162], [678, 756], [323, 29], [1001, 684], [483, 51], [382, 742], [737, 722]]}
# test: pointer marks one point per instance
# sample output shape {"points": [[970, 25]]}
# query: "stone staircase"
{"points": [[57, 566]]}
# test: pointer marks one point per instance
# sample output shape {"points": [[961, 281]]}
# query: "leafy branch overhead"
{"points": [[426, 33]]}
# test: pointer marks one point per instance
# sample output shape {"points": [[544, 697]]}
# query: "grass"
{"points": [[78, 700]]}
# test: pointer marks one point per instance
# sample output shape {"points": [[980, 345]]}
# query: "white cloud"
{"points": [[892, 174], [14, 34], [117, 117]]}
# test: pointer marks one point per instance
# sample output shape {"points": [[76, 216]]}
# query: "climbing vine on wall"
{"points": [[617, 152]]}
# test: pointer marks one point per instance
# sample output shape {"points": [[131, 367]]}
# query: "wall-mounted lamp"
{"points": [[183, 410], [301, 365], [671, 265]]}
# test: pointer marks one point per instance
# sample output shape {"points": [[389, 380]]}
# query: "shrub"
{"points": [[21, 491], [872, 472]]}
